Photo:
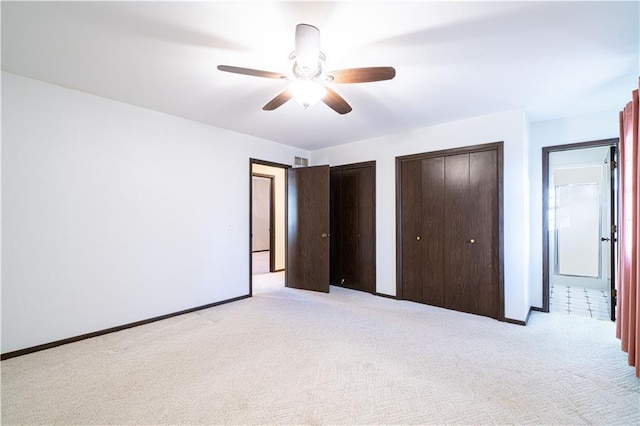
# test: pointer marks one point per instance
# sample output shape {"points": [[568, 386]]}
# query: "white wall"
{"points": [[112, 213], [509, 127], [280, 183], [568, 130], [526, 219]]}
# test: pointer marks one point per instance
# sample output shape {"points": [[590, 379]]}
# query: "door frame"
{"points": [[286, 167], [546, 151], [499, 147]]}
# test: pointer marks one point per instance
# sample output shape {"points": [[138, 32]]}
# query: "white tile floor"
{"points": [[579, 301]]}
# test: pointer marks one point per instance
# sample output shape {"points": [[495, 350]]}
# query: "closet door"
{"points": [[353, 226], [335, 226], [483, 229], [471, 242], [349, 232], [449, 229], [411, 230], [366, 229], [459, 293], [434, 228]]}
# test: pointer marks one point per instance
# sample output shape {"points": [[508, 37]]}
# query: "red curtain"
{"points": [[628, 308]]}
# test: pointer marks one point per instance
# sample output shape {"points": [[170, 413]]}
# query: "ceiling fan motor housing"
{"points": [[306, 73]]}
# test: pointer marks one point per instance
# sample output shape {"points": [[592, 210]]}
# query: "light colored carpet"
{"points": [[287, 356]]}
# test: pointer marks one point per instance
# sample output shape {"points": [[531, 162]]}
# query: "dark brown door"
{"points": [[483, 233], [412, 232], [471, 244], [335, 211], [344, 232], [458, 295], [353, 226], [308, 228], [423, 228], [449, 229], [433, 225], [366, 234]]}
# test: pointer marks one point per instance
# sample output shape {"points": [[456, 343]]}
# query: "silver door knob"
{"points": [[418, 238], [472, 241]]}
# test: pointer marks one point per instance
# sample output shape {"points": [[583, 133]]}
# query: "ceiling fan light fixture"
{"points": [[307, 92], [308, 81]]}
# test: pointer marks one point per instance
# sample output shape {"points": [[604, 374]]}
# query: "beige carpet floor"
{"points": [[294, 357]]}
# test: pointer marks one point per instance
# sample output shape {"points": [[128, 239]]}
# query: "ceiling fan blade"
{"points": [[277, 101], [336, 102], [249, 71], [307, 46], [361, 75]]}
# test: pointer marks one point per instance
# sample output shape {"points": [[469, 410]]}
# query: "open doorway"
{"points": [[579, 259], [268, 194]]}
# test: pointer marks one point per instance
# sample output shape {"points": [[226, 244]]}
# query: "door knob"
{"points": [[472, 241], [418, 238], [324, 235]]}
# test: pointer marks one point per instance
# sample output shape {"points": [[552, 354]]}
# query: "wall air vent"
{"points": [[301, 162]]}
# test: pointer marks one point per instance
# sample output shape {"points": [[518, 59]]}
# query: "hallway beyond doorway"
{"points": [[260, 262]]}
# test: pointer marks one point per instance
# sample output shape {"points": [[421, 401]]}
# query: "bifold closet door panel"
{"points": [[459, 295], [353, 226], [411, 202], [335, 211], [433, 225], [483, 228], [366, 230], [349, 233]]}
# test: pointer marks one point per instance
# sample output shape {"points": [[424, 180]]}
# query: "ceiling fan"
{"points": [[308, 82]]}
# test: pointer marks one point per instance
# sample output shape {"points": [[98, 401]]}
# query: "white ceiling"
{"points": [[453, 59]]}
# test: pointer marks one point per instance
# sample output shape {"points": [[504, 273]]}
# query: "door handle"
{"points": [[605, 239], [472, 241], [324, 235]]}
